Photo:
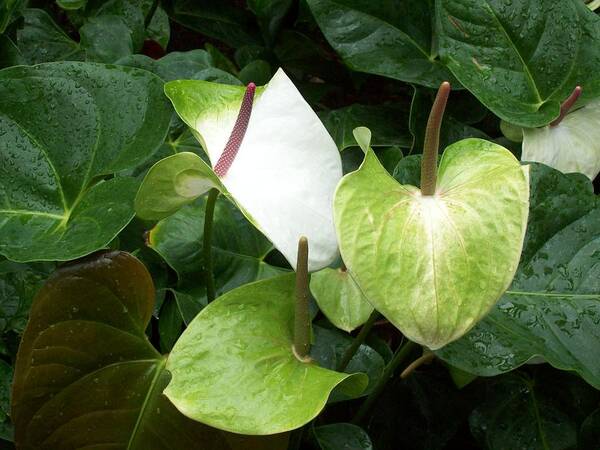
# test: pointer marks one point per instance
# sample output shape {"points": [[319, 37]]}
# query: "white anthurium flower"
{"points": [[573, 145], [270, 154]]}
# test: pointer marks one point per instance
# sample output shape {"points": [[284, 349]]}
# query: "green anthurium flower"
{"points": [[434, 265], [573, 145], [269, 152]]}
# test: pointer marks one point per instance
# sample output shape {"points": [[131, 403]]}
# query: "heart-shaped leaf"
{"points": [[282, 177], [234, 367], [435, 265], [86, 375], [393, 39], [340, 298], [552, 309], [64, 127], [521, 58], [571, 146]]}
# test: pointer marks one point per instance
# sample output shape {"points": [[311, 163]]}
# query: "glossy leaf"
{"points": [[342, 436], [519, 413], [106, 38], [42, 40], [522, 58], [571, 146], [238, 249], [86, 374], [218, 19], [8, 8], [434, 266], [192, 65], [393, 39], [71, 4], [18, 285], [340, 298], [386, 123], [328, 350], [286, 170], [64, 127], [551, 310], [269, 13], [254, 384]]}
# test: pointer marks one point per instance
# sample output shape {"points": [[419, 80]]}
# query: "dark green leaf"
{"points": [[389, 125], [106, 39], [87, 376], [159, 29], [9, 53], [71, 4], [6, 375], [342, 436], [238, 248], [552, 309], [328, 350], [170, 324], [269, 13], [64, 127], [257, 72], [521, 58], [390, 38], [42, 40], [218, 19], [519, 412], [8, 9], [589, 437]]}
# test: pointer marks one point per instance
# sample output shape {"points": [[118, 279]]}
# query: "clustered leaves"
{"points": [[225, 225]]}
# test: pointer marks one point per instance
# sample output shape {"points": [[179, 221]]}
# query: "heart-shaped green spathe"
{"points": [[234, 367], [283, 176], [435, 265], [571, 146]]}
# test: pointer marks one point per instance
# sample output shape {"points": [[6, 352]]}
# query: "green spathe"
{"points": [[283, 177], [435, 265], [571, 146], [234, 367]]}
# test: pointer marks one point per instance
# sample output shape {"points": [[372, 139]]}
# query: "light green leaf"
{"points": [[286, 170], [434, 266], [340, 298], [253, 384], [522, 58], [87, 376], [388, 38], [571, 146], [172, 183], [64, 128]]}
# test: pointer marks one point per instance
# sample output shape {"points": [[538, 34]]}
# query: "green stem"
{"points": [[357, 342], [207, 244], [150, 14], [432, 140], [302, 316], [401, 354]]}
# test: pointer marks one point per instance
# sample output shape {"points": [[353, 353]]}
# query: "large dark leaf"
{"points": [[552, 309], [64, 127], [521, 58], [86, 376], [542, 412], [392, 38]]}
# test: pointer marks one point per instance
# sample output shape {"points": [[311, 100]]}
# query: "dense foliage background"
{"points": [[374, 64]]}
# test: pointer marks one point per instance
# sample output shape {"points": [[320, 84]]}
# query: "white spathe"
{"points": [[285, 172], [571, 146]]}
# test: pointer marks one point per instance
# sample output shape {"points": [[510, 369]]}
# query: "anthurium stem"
{"points": [[426, 358], [432, 140], [401, 354], [302, 316], [207, 244], [357, 342], [567, 105]]}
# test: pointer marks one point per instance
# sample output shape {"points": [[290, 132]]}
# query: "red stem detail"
{"points": [[567, 105], [237, 134]]}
